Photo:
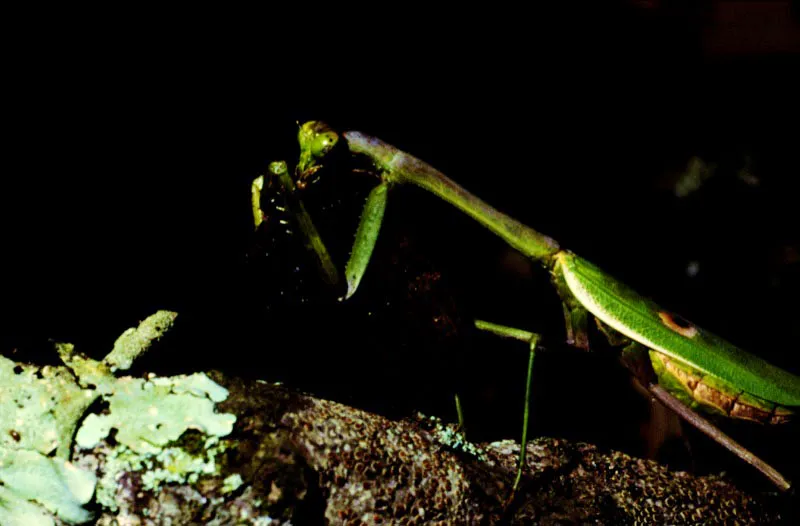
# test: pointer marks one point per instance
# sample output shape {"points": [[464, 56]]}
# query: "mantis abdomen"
{"points": [[700, 369], [713, 395]]}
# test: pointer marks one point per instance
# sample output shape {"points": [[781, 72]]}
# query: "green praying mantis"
{"points": [[685, 367]]}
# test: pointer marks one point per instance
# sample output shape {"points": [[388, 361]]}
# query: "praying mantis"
{"points": [[685, 367]]}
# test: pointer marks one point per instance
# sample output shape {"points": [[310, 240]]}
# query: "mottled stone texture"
{"points": [[310, 461]]}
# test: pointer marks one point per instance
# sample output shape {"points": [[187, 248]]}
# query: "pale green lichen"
{"points": [[451, 436], [55, 484], [39, 411], [119, 461], [171, 465], [178, 466], [196, 384], [40, 408], [134, 342], [232, 483], [18, 511], [267, 521], [149, 414]]}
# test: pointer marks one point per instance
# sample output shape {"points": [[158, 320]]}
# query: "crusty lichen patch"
{"points": [[39, 411], [450, 435], [149, 414], [41, 408], [55, 484], [152, 470]]}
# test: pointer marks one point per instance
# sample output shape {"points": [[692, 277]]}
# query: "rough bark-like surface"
{"points": [[309, 461]]}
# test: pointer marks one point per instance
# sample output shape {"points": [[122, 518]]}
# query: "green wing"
{"points": [[642, 320]]}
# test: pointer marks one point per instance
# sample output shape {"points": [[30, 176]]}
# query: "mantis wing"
{"points": [[641, 320]]}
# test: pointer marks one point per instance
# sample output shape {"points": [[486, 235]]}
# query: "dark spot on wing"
{"points": [[678, 324]]}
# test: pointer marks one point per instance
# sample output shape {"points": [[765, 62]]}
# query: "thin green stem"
{"points": [[404, 168], [460, 413]]}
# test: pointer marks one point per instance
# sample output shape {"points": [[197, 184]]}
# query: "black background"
{"points": [[131, 140]]}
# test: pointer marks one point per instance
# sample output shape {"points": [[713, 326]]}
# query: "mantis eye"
{"points": [[316, 140], [322, 143], [678, 324]]}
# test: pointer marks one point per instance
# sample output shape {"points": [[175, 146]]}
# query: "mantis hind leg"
{"points": [[533, 340], [523, 445], [634, 357]]}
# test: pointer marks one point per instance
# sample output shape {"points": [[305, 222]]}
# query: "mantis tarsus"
{"points": [[682, 365]]}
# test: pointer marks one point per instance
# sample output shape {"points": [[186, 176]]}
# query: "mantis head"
{"points": [[316, 140]]}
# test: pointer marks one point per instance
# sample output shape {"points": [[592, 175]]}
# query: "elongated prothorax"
{"points": [[401, 167]]}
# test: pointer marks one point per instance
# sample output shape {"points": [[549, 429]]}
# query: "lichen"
{"points": [[149, 414], [117, 462], [232, 483], [136, 341], [451, 436], [170, 465], [39, 411], [41, 407], [53, 483]]}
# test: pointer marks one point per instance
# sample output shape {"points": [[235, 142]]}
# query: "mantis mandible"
{"points": [[684, 366]]}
